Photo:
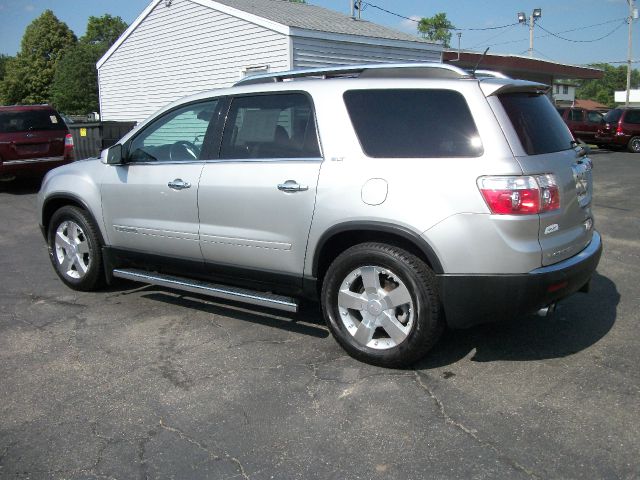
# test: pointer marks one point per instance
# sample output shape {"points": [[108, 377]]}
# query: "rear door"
{"points": [[256, 200], [543, 145]]}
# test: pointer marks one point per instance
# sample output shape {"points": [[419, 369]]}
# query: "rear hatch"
{"points": [[611, 119], [544, 145], [31, 134]]}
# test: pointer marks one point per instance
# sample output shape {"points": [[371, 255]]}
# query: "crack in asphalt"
{"points": [[225, 456], [468, 431]]}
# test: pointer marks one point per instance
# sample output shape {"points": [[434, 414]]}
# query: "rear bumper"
{"points": [[473, 299], [620, 140], [31, 166]]}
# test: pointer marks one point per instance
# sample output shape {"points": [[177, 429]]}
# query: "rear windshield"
{"points": [[30, 120], [613, 116], [413, 123], [537, 123]]}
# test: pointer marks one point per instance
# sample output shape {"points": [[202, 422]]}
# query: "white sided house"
{"points": [[180, 47]]}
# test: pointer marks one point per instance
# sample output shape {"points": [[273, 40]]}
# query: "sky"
{"points": [[578, 21]]}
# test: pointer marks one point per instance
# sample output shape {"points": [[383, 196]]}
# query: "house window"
{"points": [[565, 89]]}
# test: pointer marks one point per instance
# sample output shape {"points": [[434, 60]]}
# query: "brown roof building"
{"points": [[525, 68]]}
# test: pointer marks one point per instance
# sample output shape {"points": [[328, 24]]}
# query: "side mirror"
{"points": [[114, 155]]}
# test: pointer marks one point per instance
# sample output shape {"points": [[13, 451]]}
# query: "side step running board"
{"points": [[262, 299]]}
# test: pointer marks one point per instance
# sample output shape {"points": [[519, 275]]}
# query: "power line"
{"points": [[418, 21], [547, 36], [491, 38], [582, 41]]}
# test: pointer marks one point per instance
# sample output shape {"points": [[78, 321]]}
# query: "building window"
{"points": [[565, 89]]}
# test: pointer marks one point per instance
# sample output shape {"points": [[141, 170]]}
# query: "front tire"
{"points": [[75, 250], [381, 304]]}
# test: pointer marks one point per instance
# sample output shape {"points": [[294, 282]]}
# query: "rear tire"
{"points": [[75, 250], [634, 145], [381, 304]]}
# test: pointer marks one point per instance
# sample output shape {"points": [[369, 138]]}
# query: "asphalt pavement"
{"points": [[141, 382]]}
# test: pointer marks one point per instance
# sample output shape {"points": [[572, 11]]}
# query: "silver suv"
{"points": [[403, 197]]}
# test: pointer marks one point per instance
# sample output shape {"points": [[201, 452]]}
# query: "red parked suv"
{"points": [[583, 123], [621, 129], [33, 140]]}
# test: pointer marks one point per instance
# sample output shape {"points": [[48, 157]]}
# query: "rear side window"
{"points": [[413, 123], [30, 120], [270, 126], [536, 123], [632, 116], [576, 115]]}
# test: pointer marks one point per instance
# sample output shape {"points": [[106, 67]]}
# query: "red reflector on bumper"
{"points": [[557, 286]]}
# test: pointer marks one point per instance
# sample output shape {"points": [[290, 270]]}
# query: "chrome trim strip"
{"points": [[244, 242], [33, 160], [155, 232], [264, 160], [227, 160], [269, 300], [589, 251]]}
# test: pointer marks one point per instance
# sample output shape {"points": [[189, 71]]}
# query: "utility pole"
{"points": [[531, 36], [633, 14], [522, 18], [356, 5]]}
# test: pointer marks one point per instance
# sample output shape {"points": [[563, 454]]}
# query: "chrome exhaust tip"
{"points": [[547, 311]]}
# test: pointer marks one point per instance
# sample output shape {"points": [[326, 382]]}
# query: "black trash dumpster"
{"points": [[90, 138]]}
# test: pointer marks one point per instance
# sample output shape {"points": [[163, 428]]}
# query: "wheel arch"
{"points": [[344, 235], [57, 201]]}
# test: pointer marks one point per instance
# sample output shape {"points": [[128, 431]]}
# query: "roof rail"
{"points": [[380, 70], [490, 74]]}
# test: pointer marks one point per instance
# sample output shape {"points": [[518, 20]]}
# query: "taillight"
{"points": [[520, 195], [68, 147], [619, 130]]}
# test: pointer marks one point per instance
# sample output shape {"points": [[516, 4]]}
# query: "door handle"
{"points": [[292, 186], [178, 184]]}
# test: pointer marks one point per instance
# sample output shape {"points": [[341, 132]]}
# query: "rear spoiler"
{"points": [[495, 86]]}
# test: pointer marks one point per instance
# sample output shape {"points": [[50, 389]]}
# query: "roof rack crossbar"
{"points": [[426, 70]]}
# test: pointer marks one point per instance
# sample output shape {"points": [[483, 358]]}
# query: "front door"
{"points": [[150, 203], [256, 201]]}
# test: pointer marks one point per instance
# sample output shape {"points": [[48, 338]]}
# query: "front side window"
{"points": [[270, 126], [536, 123], [176, 136], [413, 123], [594, 117]]}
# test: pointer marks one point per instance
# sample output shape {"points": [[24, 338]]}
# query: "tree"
{"points": [[4, 59], [28, 76], [436, 28], [74, 89], [75, 85], [601, 90], [104, 30]]}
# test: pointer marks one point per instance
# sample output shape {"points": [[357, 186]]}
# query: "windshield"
{"points": [[537, 123], [613, 116], [30, 120]]}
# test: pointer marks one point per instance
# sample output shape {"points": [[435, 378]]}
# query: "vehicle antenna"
{"points": [[473, 72]]}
